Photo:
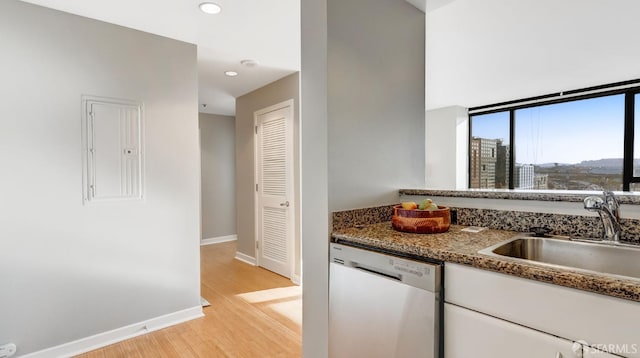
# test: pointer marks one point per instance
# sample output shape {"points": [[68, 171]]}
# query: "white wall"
{"points": [[487, 51], [217, 148], [375, 101], [447, 143], [68, 270]]}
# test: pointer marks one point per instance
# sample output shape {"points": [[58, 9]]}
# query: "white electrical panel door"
{"points": [[113, 149]]}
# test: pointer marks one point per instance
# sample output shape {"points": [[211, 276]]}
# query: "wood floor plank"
{"points": [[253, 313]]}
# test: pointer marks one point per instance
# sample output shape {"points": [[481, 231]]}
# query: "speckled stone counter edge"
{"points": [[518, 195]]}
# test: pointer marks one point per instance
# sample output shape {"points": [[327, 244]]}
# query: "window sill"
{"points": [[537, 195]]}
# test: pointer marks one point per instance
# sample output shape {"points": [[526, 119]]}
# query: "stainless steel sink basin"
{"points": [[560, 251]]}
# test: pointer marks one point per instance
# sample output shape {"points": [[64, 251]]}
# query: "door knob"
{"points": [[286, 203]]}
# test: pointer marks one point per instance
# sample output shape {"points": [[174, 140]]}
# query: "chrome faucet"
{"points": [[608, 208]]}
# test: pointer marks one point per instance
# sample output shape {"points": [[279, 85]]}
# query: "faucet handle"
{"points": [[609, 196], [612, 202], [593, 202]]}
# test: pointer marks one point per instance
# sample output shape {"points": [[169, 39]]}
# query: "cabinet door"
{"points": [[472, 334]]}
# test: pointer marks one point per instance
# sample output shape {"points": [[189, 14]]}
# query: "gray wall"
{"points": [[313, 177], [375, 100], [276, 92], [70, 270], [217, 148], [362, 126]]}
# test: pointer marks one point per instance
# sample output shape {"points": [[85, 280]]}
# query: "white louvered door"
{"points": [[274, 173]]}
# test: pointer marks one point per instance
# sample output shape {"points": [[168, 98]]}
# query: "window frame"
{"points": [[629, 88]]}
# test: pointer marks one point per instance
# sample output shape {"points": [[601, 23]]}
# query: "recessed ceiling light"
{"points": [[249, 63], [231, 73], [210, 8]]}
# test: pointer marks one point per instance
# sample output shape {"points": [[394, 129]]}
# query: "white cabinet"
{"points": [[500, 306], [472, 334]]}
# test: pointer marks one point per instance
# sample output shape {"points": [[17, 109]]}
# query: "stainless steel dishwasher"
{"points": [[382, 305]]}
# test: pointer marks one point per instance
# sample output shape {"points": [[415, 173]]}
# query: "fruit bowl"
{"points": [[421, 221]]}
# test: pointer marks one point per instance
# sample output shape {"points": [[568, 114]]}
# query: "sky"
{"points": [[568, 132]]}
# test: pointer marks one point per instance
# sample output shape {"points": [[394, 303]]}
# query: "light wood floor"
{"points": [[253, 313]]}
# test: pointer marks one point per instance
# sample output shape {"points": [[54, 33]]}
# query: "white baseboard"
{"points": [[296, 279], [219, 239], [246, 258], [100, 340]]}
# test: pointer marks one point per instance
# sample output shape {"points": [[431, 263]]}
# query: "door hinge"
{"points": [[256, 129], [257, 244], [256, 187]]}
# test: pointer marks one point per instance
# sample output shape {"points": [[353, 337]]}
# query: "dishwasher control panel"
{"points": [[415, 273], [410, 268]]}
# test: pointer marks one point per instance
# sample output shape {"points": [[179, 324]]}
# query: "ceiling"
{"points": [[267, 31]]}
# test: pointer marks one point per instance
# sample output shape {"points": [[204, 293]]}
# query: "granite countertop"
{"points": [[462, 247]]}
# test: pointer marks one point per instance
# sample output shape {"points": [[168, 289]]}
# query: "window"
{"points": [[490, 134], [636, 140], [578, 140]]}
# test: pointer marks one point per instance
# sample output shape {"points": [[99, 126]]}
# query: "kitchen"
{"points": [[363, 120], [477, 53]]}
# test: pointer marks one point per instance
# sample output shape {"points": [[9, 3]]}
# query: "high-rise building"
{"points": [[474, 165], [502, 165], [483, 163], [523, 177]]}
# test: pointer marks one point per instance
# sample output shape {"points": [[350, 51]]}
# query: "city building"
{"points": [[502, 165], [524, 176], [483, 163], [541, 181]]}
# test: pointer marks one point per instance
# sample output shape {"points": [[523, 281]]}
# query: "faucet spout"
{"points": [[607, 208]]}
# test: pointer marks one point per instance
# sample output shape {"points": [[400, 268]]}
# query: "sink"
{"points": [[562, 251]]}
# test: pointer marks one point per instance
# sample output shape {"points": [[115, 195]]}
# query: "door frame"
{"points": [[291, 255]]}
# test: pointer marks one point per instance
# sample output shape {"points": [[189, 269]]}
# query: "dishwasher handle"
{"points": [[376, 271]]}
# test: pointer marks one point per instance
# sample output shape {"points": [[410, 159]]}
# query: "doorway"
{"points": [[275, 201]]}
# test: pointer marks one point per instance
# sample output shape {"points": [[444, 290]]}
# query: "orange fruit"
{"points": [[409, 205]]}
